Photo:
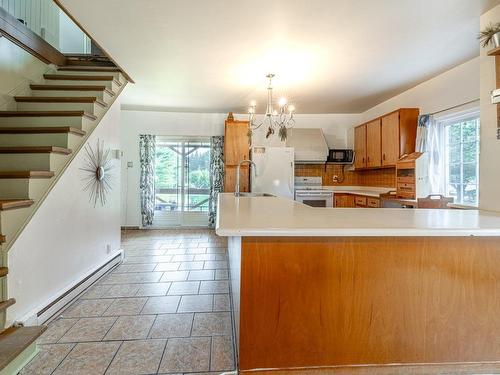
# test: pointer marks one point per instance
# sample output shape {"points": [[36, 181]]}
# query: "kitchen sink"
{"points": [[253, 195]]}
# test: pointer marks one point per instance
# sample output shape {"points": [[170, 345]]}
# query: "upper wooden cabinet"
{"points": [[360, 146], [390, 139], [373, 144], [383, 141], [236, 142]]}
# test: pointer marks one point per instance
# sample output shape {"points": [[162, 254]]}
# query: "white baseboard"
{"points": [[47, 311]]}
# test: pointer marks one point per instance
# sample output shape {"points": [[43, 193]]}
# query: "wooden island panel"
{"points": [[344, 301]]}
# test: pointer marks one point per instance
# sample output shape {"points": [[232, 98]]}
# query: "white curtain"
{"points": [[430, 139]]}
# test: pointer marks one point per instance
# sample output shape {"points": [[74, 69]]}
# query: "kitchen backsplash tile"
{"points": [[375, 177]]}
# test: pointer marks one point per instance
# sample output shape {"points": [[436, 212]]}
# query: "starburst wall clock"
{"points": [[97, 176]]}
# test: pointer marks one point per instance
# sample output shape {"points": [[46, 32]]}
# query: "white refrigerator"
{"points": [[274, 172]]}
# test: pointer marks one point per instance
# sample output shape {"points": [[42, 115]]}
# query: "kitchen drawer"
{"points": [[406, 180], [360, 201], [406, 187], [373, 202]]}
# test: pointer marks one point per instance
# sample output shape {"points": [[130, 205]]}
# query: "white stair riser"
{"points": [[23, 188], [118, 76], [92, 108], [78, 122], [109, 84], [11, 221], [66, 140], [103, 95], [32, 162]]}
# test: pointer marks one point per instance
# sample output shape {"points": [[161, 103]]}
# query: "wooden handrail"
{"points": [[63, 8], [21, 35]]}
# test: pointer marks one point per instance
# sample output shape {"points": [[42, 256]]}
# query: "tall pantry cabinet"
{"points": [[236, 149]]}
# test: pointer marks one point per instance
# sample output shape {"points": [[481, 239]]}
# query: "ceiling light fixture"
{"points": [[281, 118]]}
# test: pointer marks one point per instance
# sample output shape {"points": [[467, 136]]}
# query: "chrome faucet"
{"points": [[237, 185]]}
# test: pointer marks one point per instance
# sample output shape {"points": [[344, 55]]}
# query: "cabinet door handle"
{"points": [[368, 159], [383, 156]]}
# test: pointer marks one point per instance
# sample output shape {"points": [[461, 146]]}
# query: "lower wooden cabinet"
{"points": [[344, 200]]}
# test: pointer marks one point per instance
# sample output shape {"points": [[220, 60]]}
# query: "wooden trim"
{"points": [[7, 303], [43, 130], [2, 238], [4, 271], [72, 88], [9, 204], [23, 37], [26, 174], [65, 10], [47, 114], [89, 69], [35, 150]]}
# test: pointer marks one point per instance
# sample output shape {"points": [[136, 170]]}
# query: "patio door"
{"points": [[182, 182]]}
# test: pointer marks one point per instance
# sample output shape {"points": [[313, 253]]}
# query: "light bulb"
{"points": [[282, 102], [253, 103], [251, 110], [291, 108]]}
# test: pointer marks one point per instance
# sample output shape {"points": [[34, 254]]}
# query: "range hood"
{"points": [[309, 144]]}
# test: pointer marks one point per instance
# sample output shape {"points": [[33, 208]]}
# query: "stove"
{"points": [[309, 190]]}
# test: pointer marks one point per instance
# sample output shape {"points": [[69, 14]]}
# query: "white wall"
{"points": [[489, 172], [67, 236], [17, 70], [454, 87], [71, 38]]}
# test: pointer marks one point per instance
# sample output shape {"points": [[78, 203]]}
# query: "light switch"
{"points": [[130, 164]]}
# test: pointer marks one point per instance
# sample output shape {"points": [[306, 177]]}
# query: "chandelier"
{"points": [[280, 119]]}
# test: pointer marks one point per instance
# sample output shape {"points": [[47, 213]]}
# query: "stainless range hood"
{"points": [[309, 144]]}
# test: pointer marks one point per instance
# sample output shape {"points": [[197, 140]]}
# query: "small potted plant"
{"points": [[490, 35]]}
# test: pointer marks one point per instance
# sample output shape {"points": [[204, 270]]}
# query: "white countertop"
{"points": [[368, 191], [273, 216]]}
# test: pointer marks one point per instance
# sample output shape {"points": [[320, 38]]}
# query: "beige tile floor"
{"points": [[164, 310]]}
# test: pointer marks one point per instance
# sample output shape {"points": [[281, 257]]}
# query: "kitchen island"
{"points": [[323, 288]]}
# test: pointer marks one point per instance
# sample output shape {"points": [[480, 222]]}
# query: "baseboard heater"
{"points": [[48, 313]]}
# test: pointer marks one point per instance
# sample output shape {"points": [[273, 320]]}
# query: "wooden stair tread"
{"points": [[76, 77], [89, 69], [26, 174], [59, 99], [72, 88], [46, 114], [7, 303], [34, 150], [8, 204], [42, 130], [4, 271], [2, 238], [14, 340]]}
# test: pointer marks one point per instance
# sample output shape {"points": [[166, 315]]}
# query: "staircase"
{"points": [[37, 143]]}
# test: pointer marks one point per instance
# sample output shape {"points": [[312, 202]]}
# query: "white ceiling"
{"points": [[330, 56]]}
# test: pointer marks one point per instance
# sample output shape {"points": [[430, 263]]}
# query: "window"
{"points": [[461, 162]]}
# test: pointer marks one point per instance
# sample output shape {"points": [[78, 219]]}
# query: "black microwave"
{"points": [[343, 156]]}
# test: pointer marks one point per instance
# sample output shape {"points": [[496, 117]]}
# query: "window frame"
{"points": [[444, 123]]}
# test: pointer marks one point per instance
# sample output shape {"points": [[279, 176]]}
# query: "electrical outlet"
{"points": [[108, 248], [130, 164], [335, 178]]}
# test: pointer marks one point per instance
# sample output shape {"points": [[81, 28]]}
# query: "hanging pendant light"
{"points": [[280, 119]]}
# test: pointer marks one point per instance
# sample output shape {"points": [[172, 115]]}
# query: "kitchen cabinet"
{"points": [[236, 149], [344, 200], [373, 202], [373, 144], [380, 143], [230, 178], [360, 201], [360, 146]]}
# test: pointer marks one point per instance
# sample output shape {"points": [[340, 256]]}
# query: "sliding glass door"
{"points": [[182, 182]]}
